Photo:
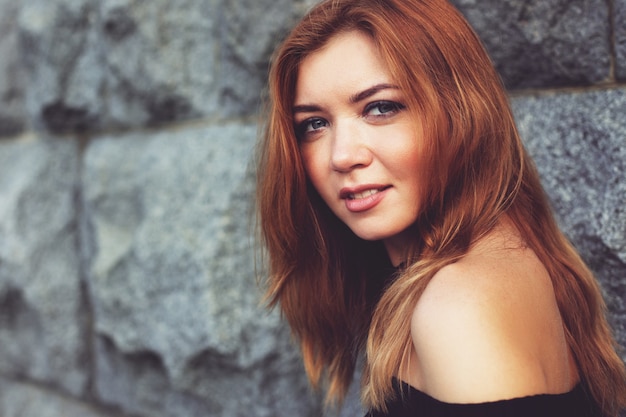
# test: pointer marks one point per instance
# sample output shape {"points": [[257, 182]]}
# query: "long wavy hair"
{"points": [[328, 283]]}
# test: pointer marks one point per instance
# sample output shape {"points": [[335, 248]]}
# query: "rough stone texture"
{"points": [[247, 46], [123, 63], [180, 329], [22, 400], [619, 28], [11, 87], [578, 141], [42, 334], [61, 62], [117, 63], [538, 43], [160, 59]]}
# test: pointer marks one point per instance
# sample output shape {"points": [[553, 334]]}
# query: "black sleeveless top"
{"points": [[410, 402]]}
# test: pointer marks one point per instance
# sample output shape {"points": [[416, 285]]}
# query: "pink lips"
{"points": [[364, 197]]}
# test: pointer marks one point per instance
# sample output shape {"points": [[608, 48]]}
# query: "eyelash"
{"points": [[395, 107], [302, 128]]}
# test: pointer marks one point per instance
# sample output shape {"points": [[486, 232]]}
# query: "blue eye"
{"points": [[310, 126], [315, 124], [382, 108]]}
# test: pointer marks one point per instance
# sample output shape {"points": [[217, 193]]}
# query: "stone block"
{"points": [[578, 142], [540, 43], [42, 313], [95, 65], [180, 328], [160, 59], [116, 63]]}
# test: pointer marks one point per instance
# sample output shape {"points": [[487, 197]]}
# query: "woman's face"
{"points": [[360, 147]]}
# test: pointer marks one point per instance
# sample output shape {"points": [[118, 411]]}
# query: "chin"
{"points": [[372, 235], [398, 231]]}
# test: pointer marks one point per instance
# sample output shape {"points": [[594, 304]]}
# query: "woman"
{"points": [[403, 218]]}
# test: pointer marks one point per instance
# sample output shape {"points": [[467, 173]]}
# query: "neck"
{"points": [[398, 245]]}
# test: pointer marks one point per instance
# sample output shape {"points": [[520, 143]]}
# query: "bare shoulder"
{"points": [[488, 328]]}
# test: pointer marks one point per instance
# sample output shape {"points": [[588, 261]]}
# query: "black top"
{"points": [[410, 402]]}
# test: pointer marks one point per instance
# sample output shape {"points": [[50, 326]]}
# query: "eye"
{"points": [[309, 126], [382, 108]]}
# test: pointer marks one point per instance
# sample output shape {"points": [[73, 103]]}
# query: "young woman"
{"points": [[403, 218]]}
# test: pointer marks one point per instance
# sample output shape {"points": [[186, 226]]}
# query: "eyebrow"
{"points": [[311, 108], [306, 108], [370, 92]]}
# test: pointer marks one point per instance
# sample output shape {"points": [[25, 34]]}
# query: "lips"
{"points": [[364, 197], [360, 192], [357, 196]]}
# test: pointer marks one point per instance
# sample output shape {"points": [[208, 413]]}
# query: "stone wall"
{"points": [[127, 127]]}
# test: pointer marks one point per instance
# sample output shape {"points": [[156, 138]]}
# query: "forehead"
{"points": [[348, 62]]}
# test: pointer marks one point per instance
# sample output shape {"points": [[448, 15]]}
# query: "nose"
{"points": [[349, 148]]}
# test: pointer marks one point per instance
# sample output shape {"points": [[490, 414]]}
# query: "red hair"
{"points": [[327, 281]]}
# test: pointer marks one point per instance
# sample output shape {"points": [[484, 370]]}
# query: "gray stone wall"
{"points": [[127, 127]]}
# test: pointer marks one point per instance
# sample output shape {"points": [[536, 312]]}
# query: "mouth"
{"points": [[361, 193]]}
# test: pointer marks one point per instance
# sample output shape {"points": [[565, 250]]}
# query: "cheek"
{"points": [[313, 162], [409, 163], [407, 154]]}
